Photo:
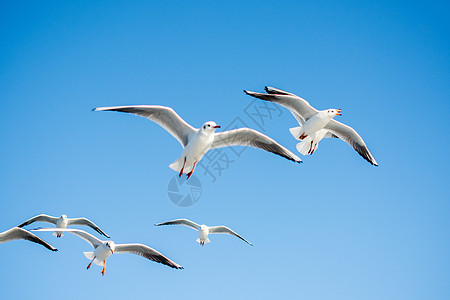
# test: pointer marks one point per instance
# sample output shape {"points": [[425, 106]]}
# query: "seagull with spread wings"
{"points": [[104, 249], [17, 233], [197, 141], [203, 230], [315, 124], [63, 222]]}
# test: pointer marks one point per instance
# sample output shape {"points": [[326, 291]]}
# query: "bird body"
{"points": [[196, 142], [203, 230], [62, 222], [312, 121], [104, 249]]}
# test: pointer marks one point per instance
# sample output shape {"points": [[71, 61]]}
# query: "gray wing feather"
{"points": [[290, 101], [184, 222], [147, 252], [351, 137], [272, 90], [226, 230], [86, 222], [252, 138], [164, 116], [40, 218], [18, 233]]}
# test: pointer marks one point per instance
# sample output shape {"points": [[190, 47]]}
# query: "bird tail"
{"points": [[206, 241], [89, 255], [296, 132], [304, 147], [58, 233]]}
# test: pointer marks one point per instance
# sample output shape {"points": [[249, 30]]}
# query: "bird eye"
{"points": [[209, 125]]}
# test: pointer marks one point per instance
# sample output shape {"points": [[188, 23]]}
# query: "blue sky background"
{"points": [[334, 227]]}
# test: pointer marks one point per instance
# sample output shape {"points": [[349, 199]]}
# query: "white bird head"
{"points": [[203, 227], [210, 126], [111, 246], [63, 217], [334, 112]]}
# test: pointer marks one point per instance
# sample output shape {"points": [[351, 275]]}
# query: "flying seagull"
{"points": [[17, 233], [196, 142], [315, 125], [203, 230], [63, 222], [104, 249]]}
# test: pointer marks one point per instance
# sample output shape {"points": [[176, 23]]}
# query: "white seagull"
{"points": [[315, 125], [17, 233], [63, 222], [203, 230], [196, 142], [104, 249]]}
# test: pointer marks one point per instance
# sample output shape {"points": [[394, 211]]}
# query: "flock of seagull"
{"points": [[196, 142]]}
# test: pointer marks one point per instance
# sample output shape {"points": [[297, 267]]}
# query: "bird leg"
{"points": [[90, 263], [303, 136], [104, 266], [182, 169], [192, 171]]}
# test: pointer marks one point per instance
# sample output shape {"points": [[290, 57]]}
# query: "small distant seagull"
{"points": [[63, 222], [17, 233], [196, 142], [104, 249], [315, 125], [203, 230]]}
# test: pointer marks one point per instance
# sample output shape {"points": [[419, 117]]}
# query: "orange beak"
{"points": [[339, 112], [112, 251], [217, 126]]}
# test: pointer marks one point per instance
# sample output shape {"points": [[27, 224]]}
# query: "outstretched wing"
{"points": [[40, 218], [95, 242], [184, 222], [164, 116], [147, 252], [292, 102], [18, 233], [351, 137], [252, 138], [226, 230], [86, 222]]}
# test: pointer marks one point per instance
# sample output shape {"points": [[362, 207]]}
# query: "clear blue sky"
{"points": [[334, 227]]}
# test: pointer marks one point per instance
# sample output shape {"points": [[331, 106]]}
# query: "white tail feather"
{"points": [[89, 255], [176, 165], [296, 132]]}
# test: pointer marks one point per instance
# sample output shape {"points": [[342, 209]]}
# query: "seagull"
{"points": [[203, 230], [17, 233], [63, 222], [104, 249], [315, 125], [196, 142]]}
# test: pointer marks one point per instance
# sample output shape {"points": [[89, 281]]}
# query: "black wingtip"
{"points": [[245, 91], [54, 250], [93, 109]]}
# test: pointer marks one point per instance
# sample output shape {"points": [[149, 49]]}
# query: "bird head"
{"points": [[63, 217], [210, 126], [334, 112], [111, 246]]}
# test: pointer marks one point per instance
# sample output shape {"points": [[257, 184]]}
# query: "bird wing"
{"points": [[164, 116], [252, 138], [95, 242], [226, 230], [272, 90], [86, 222], [40, 218], [18, 233], [351, 137], [184, 222], [147, 252], [290, 101]]}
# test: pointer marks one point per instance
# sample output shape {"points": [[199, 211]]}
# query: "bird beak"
{"points": [[112, 252], [217, 126], [339, 112]]}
